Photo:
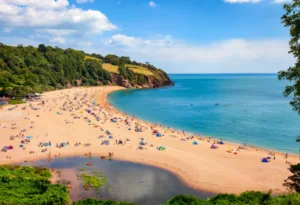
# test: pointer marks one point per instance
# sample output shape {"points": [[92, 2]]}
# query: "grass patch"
{"points": [[139, 69], [110, 68], [93, 180], [16, 102], [136, 69], [92, 58]]}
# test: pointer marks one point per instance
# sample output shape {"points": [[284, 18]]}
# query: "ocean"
{"points": [[241, 108]]}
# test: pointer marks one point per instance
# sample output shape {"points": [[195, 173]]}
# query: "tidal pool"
{"points": [[126, 181]]}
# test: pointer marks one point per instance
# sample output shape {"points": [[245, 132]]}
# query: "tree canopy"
{"points": [[291, 19], [30, 186], [28, 70]]}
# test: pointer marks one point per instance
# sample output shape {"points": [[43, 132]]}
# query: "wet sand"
{"points": [[213, 170]]}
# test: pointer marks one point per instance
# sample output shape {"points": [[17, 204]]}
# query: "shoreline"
{"points": [[216, 173], [253, 146]]}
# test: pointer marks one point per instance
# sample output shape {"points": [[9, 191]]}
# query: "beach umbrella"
{"points": [[142, 143], [28, 137], [10, 147], [264, 160], [110, 137], [221, 142], [158, 135], [195, 143]]}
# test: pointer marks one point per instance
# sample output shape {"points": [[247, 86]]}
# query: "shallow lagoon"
{"points": [[126, 181]]}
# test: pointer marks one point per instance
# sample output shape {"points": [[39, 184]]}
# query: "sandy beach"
{"points": [[75, 122]]}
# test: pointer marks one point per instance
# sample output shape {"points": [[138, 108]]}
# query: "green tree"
{"points": [[42, 48], [291, 19], [125, 60], [113, 59], [293, 182], [8, 91]]}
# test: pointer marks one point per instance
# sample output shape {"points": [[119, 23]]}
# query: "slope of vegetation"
{"points": [[110, 68], [28, 70], [87, 57], [30, 185], [139, 69]]}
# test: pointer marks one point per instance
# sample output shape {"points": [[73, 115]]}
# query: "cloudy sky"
{"points": [[179, 36]]}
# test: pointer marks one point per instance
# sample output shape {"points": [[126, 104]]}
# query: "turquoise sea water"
{"points": [[251, 108]]}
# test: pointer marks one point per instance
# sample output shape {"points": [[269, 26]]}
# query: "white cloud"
{"points": [[152, 4], [57, 32], [84, 1], [58, 40], [234, 55], [53, 17], [25, 16]]}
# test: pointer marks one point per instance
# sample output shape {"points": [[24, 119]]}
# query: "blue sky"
{"points": [[179, 36]]}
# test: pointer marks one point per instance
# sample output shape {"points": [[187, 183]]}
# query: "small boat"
{"points": [[102, 157]]}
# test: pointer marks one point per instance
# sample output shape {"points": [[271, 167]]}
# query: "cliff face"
{"points": [[149, 82]]}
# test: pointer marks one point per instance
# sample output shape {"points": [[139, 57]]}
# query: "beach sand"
{"points": [[203, 168]]}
